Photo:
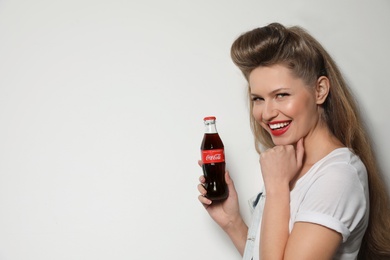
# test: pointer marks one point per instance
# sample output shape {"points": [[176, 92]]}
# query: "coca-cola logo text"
{"points": [[213, 156]]}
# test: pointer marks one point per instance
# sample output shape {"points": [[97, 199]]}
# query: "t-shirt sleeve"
{"points": [[335, 200]]}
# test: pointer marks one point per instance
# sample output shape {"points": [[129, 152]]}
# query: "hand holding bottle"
{"points": [[222, 212], [226, 213], [217, 192]]}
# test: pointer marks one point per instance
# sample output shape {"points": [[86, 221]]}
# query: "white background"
{"points": [[101, 108]]}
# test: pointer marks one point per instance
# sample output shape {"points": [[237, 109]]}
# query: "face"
{"points": [[283, 104]]}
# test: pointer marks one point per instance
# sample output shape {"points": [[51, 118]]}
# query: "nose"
{"points": [[269, 110]]}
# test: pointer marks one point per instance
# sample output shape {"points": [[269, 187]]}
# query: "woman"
{"points": [[323, 197]]}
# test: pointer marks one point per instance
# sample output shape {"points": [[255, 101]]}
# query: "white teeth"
{"points": [[280, 125]]}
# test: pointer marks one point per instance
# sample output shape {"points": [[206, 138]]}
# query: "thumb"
{"points": [[300, 151], [229, 181]]}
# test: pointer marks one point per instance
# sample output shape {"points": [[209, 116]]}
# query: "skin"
{"points": [[280, 99], [226, 214]]}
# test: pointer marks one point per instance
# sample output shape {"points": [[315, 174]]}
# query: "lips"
{"points": [[279, 128]]}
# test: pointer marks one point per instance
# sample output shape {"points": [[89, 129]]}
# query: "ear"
{"points": [[322, 89]]}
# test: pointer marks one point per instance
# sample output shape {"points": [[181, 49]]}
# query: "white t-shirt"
{"points": [[334, 194]]}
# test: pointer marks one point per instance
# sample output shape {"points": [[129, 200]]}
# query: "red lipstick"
{"points": [[282, 128]]}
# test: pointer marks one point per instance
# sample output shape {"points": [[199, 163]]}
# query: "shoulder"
{"points": [[340, 173], [341, 168], [341, 156], [335, 194]]}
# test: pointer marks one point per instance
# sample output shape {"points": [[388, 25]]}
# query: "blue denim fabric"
{"points": [[257, 204]]}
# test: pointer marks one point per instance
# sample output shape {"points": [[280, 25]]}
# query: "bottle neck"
{"points": [[210, 127]]}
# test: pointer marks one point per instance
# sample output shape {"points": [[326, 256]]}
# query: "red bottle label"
{"points": [[213, 156]]}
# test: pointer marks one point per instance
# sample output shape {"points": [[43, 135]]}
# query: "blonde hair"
{"points": [[308, 60]]}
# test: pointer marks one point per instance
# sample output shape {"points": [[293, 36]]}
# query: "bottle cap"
{"points": [[209, 118]]}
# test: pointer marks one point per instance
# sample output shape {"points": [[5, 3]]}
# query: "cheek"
{"points": [[303, 112], [296, 108], [256, 112], [291, 107]]}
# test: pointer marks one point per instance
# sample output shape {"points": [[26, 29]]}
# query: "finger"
{"points": [[205, 201], [200, 163], [229, 182], [227, 178], [202, 189], [202, 179]]}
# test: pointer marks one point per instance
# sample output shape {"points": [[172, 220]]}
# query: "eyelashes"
{"points": [[278, 96], [282, 95], [254, 99]]}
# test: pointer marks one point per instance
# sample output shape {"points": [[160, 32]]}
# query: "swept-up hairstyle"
{"points": [[296, 49]]}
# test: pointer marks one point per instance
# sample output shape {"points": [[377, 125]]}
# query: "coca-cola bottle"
{"points": [[213, 158]]}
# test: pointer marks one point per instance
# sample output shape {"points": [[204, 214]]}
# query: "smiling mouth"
{"points": [[278, 125]]}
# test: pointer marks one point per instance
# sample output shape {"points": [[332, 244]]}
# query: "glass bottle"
{"points": [[213, 159]]}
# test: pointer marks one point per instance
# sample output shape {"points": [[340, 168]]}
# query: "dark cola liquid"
{"points": [[214, 173]]}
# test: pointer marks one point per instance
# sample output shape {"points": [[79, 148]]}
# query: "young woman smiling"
{"points": [[323, 197]]}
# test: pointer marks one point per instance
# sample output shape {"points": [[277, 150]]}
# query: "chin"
{"points": [[282, 141]]}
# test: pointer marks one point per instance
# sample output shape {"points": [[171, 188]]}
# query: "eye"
{"points": [[257, 99], [282, 95]]}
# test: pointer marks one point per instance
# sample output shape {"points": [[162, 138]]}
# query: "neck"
{"points": [[317, 144]]}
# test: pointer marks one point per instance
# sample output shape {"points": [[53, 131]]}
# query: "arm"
{"points": [[237, 232], [312, 241], [279, 166], [275, 223], [306, 241]]}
